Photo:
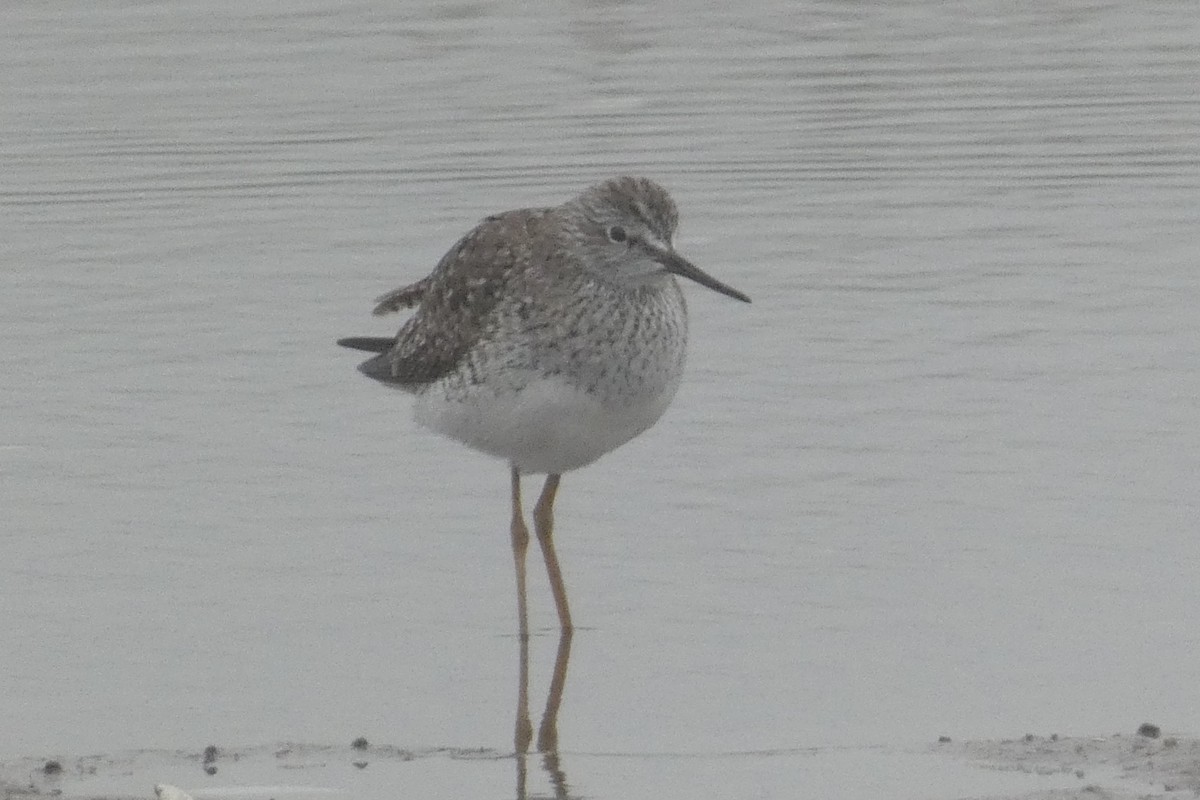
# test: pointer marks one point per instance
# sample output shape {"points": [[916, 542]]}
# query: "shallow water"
{"points": [[938, 479]]}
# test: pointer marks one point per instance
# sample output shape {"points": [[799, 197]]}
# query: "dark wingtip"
{"points": [[379, 368], [371, 344]]}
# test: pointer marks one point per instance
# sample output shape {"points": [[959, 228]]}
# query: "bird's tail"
{"points": [[372, 344]]}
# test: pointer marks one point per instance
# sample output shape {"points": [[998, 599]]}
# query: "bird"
{"points": [[547, 337]]}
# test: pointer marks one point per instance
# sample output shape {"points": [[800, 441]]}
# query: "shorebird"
{"points": [[547, 337]]}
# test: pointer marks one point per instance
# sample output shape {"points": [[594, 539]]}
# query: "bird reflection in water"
{"points": [[547, 738]]}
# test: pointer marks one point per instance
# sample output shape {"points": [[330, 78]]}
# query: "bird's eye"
{"points": [[617, 234]]}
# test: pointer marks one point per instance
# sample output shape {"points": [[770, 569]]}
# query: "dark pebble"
{"points": [[943, 739], [210, 770], [1149, 730], [360, 743], [360, 764], [210, 754], [52, 768]]}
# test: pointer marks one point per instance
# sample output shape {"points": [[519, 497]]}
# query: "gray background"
{"points": [[940, 478]]}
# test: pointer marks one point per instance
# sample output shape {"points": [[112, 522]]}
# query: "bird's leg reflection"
{"points": [[547, 742], [558, 780], [524, 730]]}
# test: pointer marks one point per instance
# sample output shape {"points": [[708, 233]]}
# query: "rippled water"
{"points": [[939, 478]]}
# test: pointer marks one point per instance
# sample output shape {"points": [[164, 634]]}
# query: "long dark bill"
{"points": [[686, 269]]}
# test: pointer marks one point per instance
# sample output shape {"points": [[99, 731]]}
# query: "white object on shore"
{"points": [[166, 791]]}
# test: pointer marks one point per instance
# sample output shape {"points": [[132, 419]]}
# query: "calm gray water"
{"points": [[940, 478]]}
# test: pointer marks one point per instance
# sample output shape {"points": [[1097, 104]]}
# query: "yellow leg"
{"points": [[520, 544], [543, 523]]}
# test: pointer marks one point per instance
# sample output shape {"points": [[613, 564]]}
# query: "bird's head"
{"points": [[624, 229]]}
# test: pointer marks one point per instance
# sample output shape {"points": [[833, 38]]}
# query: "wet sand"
{"points": [[1027, 767], [1114, 766]]}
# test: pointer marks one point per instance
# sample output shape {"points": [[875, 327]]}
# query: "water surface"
{"points": [[938, 479]]}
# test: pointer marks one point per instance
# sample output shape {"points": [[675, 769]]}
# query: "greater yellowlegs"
{"points": [[547, 337]]}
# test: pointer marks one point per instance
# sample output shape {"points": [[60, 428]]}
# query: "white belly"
{"points": [[546, 426]]}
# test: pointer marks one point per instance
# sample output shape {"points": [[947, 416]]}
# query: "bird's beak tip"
{"points": [[673, 262]]}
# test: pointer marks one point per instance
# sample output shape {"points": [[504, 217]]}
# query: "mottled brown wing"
{"points": [[456, 300]]}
